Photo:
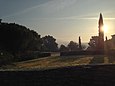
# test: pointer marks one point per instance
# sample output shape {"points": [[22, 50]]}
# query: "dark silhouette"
{"points": [[93, 44], [97, 42], [101, 33], [106, 38], [18, 43], [63, 48], [73, 46], [49, 44], [0, 21], [80, 47], [16, 38], [110, 43]]}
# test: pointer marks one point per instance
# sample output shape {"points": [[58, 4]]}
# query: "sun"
{"points": [[105, 28]]}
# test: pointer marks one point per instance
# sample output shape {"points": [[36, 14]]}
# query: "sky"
{"points": [[66, 20]]}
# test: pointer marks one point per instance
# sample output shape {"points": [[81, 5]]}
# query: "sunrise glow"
{"points": [[105, 28]]}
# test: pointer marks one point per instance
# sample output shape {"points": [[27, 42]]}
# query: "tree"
{"points": [[80, 47], [63, 48], [49, 44], [17, 38], [36, 42], [73, 46], [0, 20], [93, 44]]}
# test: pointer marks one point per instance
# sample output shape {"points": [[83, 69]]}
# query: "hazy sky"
{"points": [[64, 19]]}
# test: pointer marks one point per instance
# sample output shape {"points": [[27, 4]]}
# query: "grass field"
{"points": [[61, 61]]}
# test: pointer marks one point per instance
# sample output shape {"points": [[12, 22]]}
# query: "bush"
{"points": [[32, 55], [6, 58], [81, 53]]}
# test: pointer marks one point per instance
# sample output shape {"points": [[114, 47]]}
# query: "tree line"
{"points": [[16, 40]]}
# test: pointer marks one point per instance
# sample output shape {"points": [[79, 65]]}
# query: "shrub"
{"points": [[6, 58]]}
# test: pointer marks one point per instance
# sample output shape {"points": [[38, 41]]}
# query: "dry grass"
{"points": [[53, 62], [61, 61]]}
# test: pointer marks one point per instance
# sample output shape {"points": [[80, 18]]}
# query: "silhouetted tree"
{"points": [[63, 48], [17, 38], [49, 44], [0, 20], [110, 44], [106, 38], [80, 47], [73, 46], [93, 44], [36, 42]]}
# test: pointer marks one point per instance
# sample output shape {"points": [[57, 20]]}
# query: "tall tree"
{"points": [[80, 47], [0, 21]]}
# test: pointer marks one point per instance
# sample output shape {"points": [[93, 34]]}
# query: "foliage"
{"points": [[63, 48], [15, 38], [6, 58], [73, 46], [49, 44], [93, 44]]}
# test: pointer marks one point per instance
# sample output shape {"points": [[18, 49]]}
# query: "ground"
{"points": [[56, 70], [56, 61]]}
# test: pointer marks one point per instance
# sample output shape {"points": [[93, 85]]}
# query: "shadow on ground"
{"points": [[97, 59], [95, 75]]}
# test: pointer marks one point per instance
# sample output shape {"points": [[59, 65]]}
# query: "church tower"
{"points": [[101, 33]]}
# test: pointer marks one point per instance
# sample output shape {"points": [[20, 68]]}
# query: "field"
{"points": [[56, 61]]}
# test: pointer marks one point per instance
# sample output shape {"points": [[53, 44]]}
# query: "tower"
{"points": [[101, 33]]}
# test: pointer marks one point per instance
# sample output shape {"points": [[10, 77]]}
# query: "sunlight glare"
{"points": [[105, 28]]}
